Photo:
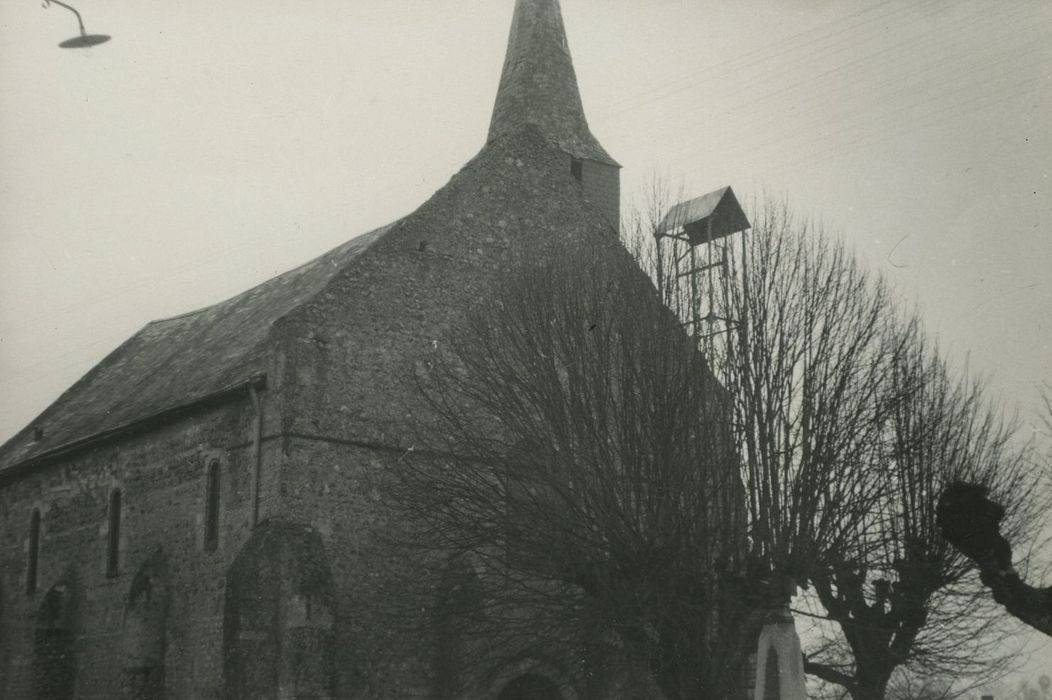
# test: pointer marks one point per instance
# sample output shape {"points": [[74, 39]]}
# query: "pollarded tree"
{"points": [[804, 342], [977, 521], [902, 597], [580, 459], [848, 425], [971, 522], [806, 364]]}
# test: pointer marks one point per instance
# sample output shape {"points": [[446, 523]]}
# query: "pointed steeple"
{"points": [[539, 86]]}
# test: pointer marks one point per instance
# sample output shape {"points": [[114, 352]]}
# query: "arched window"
{"points": [[54, 666], [212, 507], [577, 169], [278, 629], [143, 633], [34, 552], [114, 538]]}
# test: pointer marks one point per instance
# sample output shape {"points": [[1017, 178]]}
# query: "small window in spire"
{"points": [[577, 169]]}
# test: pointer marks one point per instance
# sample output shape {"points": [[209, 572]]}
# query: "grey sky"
{"points": [[210, 146]]}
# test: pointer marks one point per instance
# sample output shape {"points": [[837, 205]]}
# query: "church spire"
{"points": [[539, 86]]}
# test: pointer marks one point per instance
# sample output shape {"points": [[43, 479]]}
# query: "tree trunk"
{"points": [[870, 687], [971, 523]]}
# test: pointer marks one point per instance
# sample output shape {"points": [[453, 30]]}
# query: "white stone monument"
{"points": [[779, 660]]}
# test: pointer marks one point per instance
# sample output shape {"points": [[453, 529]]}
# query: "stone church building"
{"points": [[198, 516]]}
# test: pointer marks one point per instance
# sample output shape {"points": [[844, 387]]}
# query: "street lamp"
{"points": [[84, 40]]}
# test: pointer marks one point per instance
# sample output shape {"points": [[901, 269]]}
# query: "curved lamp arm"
{"points": [[71, 9], [83, 41]]}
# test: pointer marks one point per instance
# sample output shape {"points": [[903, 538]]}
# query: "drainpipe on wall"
{"points": [[257, 449]]}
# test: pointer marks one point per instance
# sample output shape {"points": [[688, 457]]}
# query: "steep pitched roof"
{"points": [[708, 217], [177, 360], [538, 85]]}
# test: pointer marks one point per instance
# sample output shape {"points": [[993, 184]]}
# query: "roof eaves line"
{"points": [[256, 381], [608, 161], [290, 271]]}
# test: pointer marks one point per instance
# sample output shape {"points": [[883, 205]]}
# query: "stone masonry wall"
{"points": [[340, 404], [350, 359], [602, 187], [350, 355], [161, 476]]}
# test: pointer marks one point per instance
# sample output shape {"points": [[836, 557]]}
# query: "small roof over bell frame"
{"points": [[706, 218]]}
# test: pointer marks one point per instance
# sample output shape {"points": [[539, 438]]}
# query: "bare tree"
{"points": [[809, 341], [972, 523], [972, 517], [597, 488], [580, 460], [903, 597], [806, 367], [909, 687], [849, 424]]}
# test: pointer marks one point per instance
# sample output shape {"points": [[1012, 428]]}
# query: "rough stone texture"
{"points": [[337, 406], [538, 85], [602, 187], [175, 361], [54, 636], [278, 617], [348, 355], [538, 88], [162, 478], [349, 360], [315, 598], [143, 633]]}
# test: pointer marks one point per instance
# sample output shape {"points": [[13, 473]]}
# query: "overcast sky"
{"points": [[211, 145]]}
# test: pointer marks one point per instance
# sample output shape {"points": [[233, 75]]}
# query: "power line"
{"points": [[962, 79], [887, 53], [757, 56], [991, 99], [750, 120], [803, 41]]}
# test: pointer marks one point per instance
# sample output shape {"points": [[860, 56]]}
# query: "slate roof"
{"points": [[176, 360], [538, 85]]}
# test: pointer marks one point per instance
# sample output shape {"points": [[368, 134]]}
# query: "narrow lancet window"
{"points": [[114, 536], [34, 553], [212, 508]]}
